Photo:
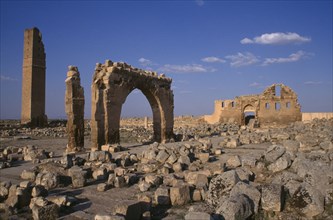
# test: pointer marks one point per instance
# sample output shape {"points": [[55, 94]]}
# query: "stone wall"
{"points": [[268, 108], [309, 116], [33, 79], [112, 83]]}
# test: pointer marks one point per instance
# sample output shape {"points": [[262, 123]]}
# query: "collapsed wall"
{"points": [[269, 108]]}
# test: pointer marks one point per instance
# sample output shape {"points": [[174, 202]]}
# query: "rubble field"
{"points": [[223, 171]]}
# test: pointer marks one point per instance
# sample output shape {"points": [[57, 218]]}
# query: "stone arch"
{"points": [[249, 108], [112, 83]]}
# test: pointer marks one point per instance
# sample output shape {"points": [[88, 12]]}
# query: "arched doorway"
{"points": [[249, 113], [112, 83]]}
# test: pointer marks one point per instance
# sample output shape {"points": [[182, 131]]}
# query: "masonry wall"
{"points": [[281, 110], [307, 116], [269, 108], [33, 79]]}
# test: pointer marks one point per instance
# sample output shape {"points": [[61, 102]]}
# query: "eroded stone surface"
{"points": [[112, 83], [74, 106]]}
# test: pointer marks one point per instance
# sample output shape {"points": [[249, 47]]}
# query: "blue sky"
{"points": [[211, 49]]}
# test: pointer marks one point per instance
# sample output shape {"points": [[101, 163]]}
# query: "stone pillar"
{"points": [[146, 122], [74, 105], [33, 80]]}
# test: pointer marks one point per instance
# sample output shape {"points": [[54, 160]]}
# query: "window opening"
{"points": [[277, 106]]}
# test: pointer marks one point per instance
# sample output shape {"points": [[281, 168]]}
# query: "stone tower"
{"points": [[33, 80], [74, 106]]}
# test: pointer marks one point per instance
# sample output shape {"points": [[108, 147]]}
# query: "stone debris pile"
{"points": [[290, 177]]}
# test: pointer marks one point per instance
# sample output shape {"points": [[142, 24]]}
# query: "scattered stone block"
{"points": [[28, 175], [38, 201], [39, 191], [196, 195], [144, 186], [274, 152], [234, 142], [180, 194], [162, 156], [162, 196], [119, 182], [250, 191], [100, 174], [203, 157], [102, 187], [280, 164], [272, 197], [48, 212], [131, 209], [48, 180], [235, 207], [221, 185], [198, 216], [234, 161], [78, 176], [177, 167], [308, 201]]}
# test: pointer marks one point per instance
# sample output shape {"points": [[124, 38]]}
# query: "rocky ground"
{"points": [[209, 172]]}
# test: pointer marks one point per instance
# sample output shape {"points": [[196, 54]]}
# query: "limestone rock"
{"points": [[198, 216], [234, 161], [28, 175], [39, 191], [180, 194], [274, 152], [272, 197], [101, 156], [197, 179], [234, 142], [119, 182], [78, 176], [221, 185], [100, 174], [234, 208], [48, 180], [162, 156], [48, 212], [251, 192], [308, 201], [203, 157], [102, 187], [280, 164], [162, 196], [131, 209]]}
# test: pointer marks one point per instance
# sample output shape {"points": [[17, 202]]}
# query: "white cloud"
{"points": [[255, 84], [188, 68], [7, 78], [277, 38], [213, 60], [246, 41], [199, 2], [313, 82], [145, 62], [291, 58], [242, 59]]}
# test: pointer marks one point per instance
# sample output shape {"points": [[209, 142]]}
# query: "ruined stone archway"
{"points": [[249, 112], [112, 83]]}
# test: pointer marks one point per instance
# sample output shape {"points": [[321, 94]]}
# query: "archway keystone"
{"points": [[112, 83]]}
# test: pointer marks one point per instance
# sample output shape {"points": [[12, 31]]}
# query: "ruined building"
{"points": [[33, 79], [74, 106], [112, 83], [277, 105]]}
